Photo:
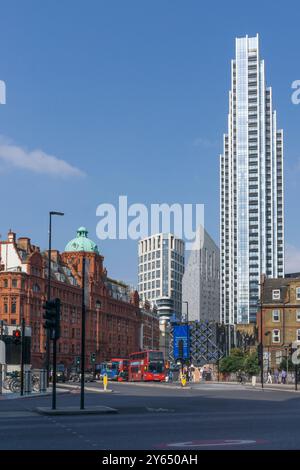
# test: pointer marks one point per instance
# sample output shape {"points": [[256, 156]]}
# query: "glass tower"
{"points": [[251, 183]]}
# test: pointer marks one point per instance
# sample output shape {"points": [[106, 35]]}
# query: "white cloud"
{"points": [[35, 160], [292, 259]]}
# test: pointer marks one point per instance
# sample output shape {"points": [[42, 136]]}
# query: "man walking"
{"points": [[269, 379], [283, 376]]}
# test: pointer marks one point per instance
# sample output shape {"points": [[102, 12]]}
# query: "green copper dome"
{"points": [[82, 242]]}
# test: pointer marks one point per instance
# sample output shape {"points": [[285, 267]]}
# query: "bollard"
{"points": [[105, 380], [28, 384], [43, 380]]}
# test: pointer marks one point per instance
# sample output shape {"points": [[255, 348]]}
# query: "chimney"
{"points": [[24, 244], [11, 236]]}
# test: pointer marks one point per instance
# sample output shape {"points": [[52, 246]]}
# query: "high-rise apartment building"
{"points": [[251, 180], [201, 280], [161, 267]]}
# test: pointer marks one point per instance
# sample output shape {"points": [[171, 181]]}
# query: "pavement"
{"points": [[206, 416]]}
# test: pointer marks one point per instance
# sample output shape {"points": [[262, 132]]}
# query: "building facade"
{"points": [[251, 182], [113, 318], [278, 320], [160, 272], [149, 328], [201, 280]]}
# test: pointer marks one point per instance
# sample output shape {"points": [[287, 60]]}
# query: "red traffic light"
{"points": [[17, 334]]}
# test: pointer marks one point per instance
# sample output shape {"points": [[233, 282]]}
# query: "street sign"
{"points": [[2, 352], [181, 340]]}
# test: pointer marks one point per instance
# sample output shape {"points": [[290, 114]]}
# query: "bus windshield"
{"points": [[156, 367]]}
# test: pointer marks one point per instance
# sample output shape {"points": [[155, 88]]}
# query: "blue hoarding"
{"points": [[181, 341]]}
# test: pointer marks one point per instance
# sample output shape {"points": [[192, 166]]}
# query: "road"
{"points": [[209, 416]]}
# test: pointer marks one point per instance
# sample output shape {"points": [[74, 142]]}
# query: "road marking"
{"points": [[213, 443], [159, 410]]}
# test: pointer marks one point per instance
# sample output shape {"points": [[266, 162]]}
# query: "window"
{"points": [[14, 283], [298, 336], [13, 307], [298, 293], [276, 294], [276, 315], [276, 336], [297, 315], [5, 283]]}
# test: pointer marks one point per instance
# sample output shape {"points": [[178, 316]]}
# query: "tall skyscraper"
{"points": [[251, 180], [201, 280]]}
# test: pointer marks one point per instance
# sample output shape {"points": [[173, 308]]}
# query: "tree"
{"points": [[233, 363], [251, 366], [239, 361], [283, 365]]}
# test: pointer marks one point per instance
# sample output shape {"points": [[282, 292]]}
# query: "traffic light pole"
{"points": [[54, 376], [22, 356], [82, 335], [261, 338], [51, 213]]}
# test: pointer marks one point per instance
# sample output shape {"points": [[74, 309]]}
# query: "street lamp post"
{"points": [[187, 311], [187, 324], [51, 213], [98, 306], [83, 312], [267, 333]]}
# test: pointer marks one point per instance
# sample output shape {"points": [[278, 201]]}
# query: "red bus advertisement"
{"points": [[147, 366], [122, 367]]}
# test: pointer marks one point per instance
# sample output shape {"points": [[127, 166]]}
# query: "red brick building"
{"points": [[113, 318], [150, 327]]}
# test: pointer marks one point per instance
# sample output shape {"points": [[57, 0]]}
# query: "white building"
{"points": [[161, 267], [201, 280], [251, 181]]}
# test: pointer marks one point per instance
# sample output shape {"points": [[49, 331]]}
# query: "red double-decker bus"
{"points": [[122, 367], [147, 366]]}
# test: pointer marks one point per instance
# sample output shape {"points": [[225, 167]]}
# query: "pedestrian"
{"points": [[276, 376], [269, 379], [283, 376]]}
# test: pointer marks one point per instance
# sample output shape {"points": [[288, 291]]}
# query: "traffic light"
{"points": [[180, 348], [93, 358], [77, 361], [52, 318], [17, 336]]}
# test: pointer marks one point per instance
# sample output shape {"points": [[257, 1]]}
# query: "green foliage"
{"points": [[283, 365], [238, 361], [232, 363], [251, 366]]}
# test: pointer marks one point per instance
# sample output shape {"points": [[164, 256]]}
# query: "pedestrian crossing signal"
{"points": [[17, 336]]}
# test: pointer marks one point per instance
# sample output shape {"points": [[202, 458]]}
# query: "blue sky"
{"points": [[133, 97]]}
